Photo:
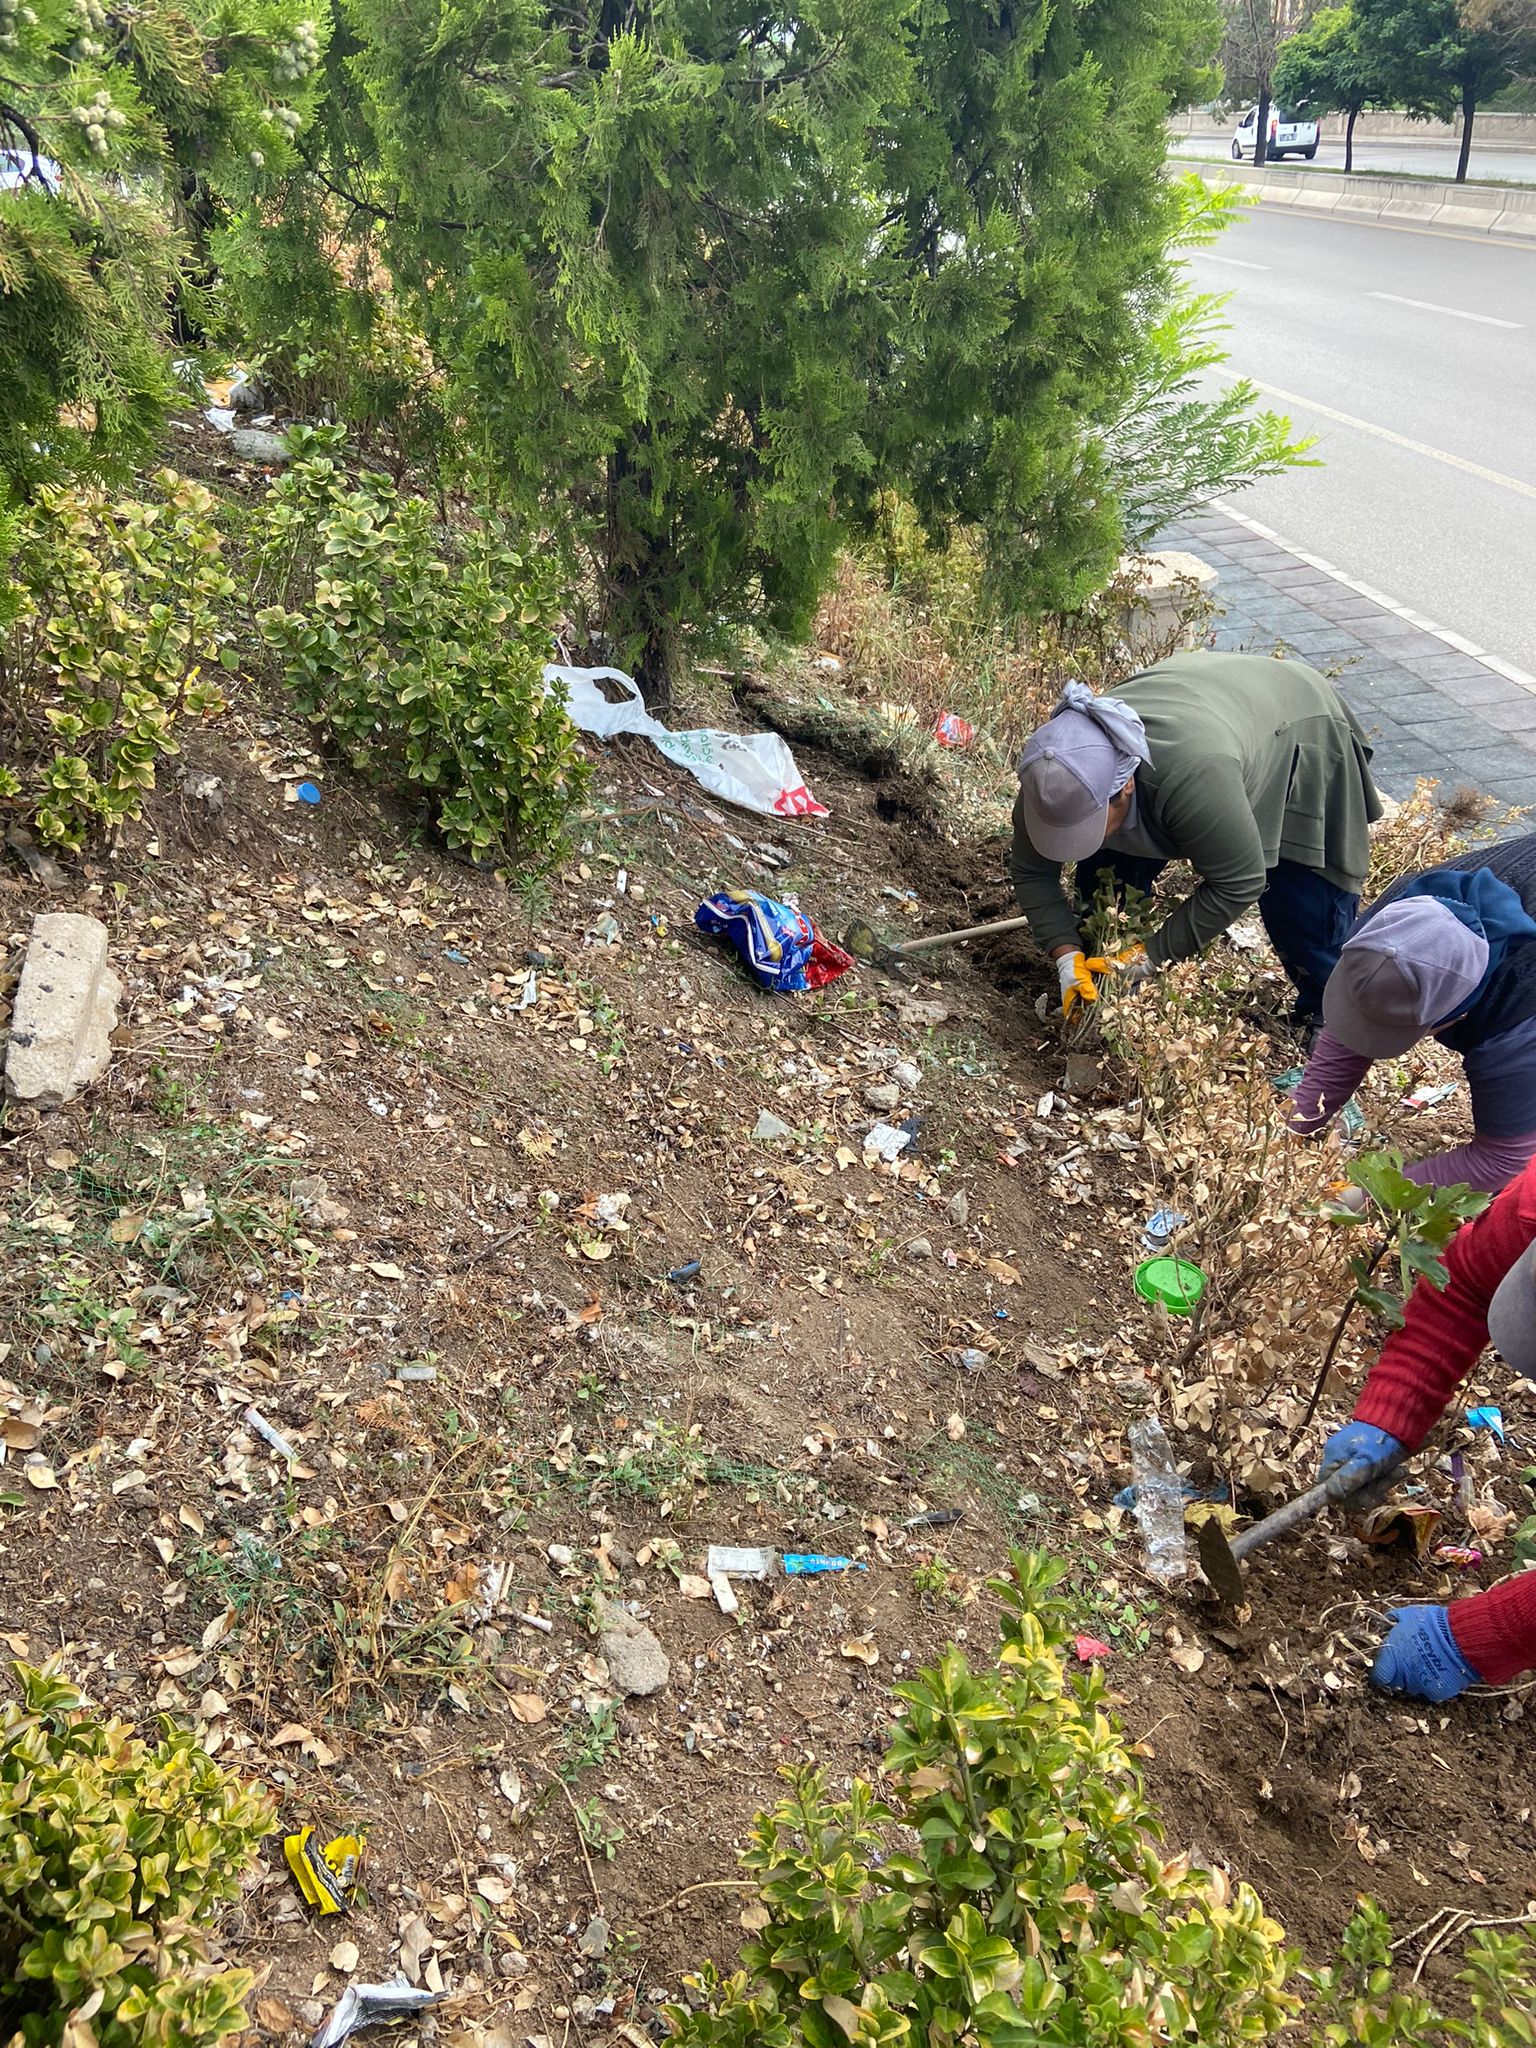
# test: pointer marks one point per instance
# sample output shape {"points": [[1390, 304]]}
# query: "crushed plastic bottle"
{"points": [[1159, 1499]]}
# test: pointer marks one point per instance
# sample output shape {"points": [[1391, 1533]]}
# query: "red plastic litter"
{"points": [[1463, 1554], [950, 730], [1089, 1647]]}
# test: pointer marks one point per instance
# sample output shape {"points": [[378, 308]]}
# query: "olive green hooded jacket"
{"points": [[1254, 761]]}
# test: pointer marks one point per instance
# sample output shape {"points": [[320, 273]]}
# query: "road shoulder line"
{"points": [[1457, 642]]}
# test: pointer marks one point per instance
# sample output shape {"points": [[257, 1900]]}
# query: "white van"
{"points": [[1290, 134]]}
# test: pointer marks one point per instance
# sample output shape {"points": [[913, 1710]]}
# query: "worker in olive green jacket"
{"points": [[1253, 770]]}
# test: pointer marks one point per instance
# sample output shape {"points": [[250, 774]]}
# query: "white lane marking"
{"points": [[1462, 645], [1348, 419], [1234, 262], [1454, 312]]}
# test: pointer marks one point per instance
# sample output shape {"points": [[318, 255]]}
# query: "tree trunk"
{"points": [[1349, 140], [634, 576], [1468, 109], [1261, 128], [653, 671]]}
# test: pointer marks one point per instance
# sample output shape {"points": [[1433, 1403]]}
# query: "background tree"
{"points": [[1326, 68], [700, 278], [108, 121], [1438, 58], [1254, 33]]}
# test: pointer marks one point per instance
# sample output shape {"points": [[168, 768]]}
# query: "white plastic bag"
{"points": [[755, 770]]}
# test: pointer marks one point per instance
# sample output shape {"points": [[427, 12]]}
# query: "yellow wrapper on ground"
{"points": [[326, 1876]]}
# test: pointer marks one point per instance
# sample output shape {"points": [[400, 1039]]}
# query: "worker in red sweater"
{"points": [[1490, 1295]]}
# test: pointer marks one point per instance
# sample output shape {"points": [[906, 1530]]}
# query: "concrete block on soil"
{"points": [[636, 1662], [65, 1013]]}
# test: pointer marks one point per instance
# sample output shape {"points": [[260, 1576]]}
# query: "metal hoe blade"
{"points": [[1221, 1568], [861, 942]]}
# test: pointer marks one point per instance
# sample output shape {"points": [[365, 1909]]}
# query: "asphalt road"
{"points": [[1427, 159], [1411, 356]]}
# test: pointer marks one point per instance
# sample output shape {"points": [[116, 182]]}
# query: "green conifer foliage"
{"points": [[705, 276], [122, 134]]}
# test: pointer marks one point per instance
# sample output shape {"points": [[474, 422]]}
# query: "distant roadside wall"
{"points": [[1468, 209], [1490, 131]]}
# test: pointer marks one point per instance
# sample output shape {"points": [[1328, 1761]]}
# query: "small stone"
{"points": [[560, 1554], [65, 1011], [537, 957], [768, 1127], [637, 1663], [594, 1940], [907, 1074], [958, 1208], [919, 1248], [254, 444], [883, 1095]]}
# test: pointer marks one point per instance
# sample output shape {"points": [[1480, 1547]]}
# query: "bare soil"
{"points": [[323, 1047]]}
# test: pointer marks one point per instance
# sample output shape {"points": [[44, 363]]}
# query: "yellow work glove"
{"points": [[1131, 961], [1077, 985]]}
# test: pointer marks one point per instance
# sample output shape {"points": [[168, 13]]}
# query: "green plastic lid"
{"points": [[1173, 1283]]}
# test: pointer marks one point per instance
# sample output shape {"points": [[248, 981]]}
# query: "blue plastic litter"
{"points": [[1126, 1497], [804, 1562], [782, 949], [308, 792], [1491, 1419], [452, 953]]}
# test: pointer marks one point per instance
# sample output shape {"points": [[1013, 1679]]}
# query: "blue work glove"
{"points": [[1356, 1455], [1420, 1657]]}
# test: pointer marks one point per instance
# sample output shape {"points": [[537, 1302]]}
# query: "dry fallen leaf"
{"points": [[189, 1518], [596, 1248], [345, 1956], [384, 1271], [415, 1941], [1188, 1657], [493, 1889], [274, 2016], [42, 1476], [291, 1731], [218, 1628], [954, 1428], [861, 1650], [694, 1586], [21, 1432], [528, 1708]]}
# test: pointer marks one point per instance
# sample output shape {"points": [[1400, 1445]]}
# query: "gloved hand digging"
{"points": [[1356, 1456], [1420, 1657], [1131, 963], [1077, 984]]}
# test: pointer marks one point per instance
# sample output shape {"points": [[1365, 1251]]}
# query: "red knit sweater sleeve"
{"points": [[1422, 1364], [1496, 1631], [1420, 1367]]}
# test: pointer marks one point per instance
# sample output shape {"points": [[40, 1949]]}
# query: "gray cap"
{"points": [[1402, 976], [1512, 1316], [1068, 774]]}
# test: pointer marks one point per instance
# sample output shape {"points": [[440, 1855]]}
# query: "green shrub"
{"points": [[1011, 1892], [113, 1856], [421, 650], [109, 616]]}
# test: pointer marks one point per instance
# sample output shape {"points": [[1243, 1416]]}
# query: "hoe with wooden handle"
{"points": [[860, 941]]}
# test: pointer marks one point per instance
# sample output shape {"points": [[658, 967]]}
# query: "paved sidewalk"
{"points": [[1429, 706]]}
